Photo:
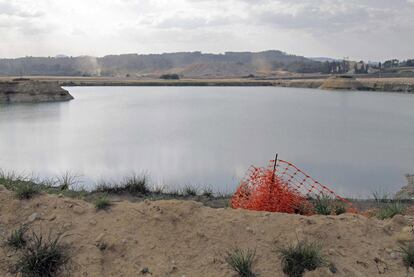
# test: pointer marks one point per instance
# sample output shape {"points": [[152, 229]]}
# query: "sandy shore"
{"points": [[185, 238]]}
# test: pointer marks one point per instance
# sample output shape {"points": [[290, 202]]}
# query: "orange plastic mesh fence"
{"points": [[281, 187]]}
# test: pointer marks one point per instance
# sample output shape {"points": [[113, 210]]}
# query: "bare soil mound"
{"points": [[185, 238], [342, 83], [25, 90]]}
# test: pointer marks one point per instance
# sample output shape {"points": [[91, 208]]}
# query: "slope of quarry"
{"points": [[27, 91]]}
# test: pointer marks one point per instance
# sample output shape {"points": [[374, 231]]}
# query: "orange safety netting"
{"points": [[281, 187]]}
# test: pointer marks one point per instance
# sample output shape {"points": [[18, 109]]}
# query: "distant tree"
{"points": [[356, 71], [170, 77], [409, 62], [391, 63]]}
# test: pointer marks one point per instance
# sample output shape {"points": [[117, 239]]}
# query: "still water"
{"points": [[354, 142]]}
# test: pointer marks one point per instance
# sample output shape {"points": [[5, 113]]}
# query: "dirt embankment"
{"points": [[185, 238], [25, 90], [405, 85]]}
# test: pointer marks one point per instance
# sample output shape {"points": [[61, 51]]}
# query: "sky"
{"points": [[359, 29]]}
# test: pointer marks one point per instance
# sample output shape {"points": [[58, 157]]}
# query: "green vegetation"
{"points": [[67, 180], [208, 192], [25, 190], [133, 187], [170, 77], [22, 186], [381, 196], [17, 239], [241, 261], [158, 190], [339, 208], [300, 257], [134, 184], [325, 205], [102, 202], [190, 191], [42, 257], [408, 255], [389, 210]]}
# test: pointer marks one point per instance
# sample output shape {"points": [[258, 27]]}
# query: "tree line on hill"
{"points": [[192, 63]]}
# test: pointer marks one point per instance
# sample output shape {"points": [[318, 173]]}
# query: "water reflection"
{"points": [[353, 141]]}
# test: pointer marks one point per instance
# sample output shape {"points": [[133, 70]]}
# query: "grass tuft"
{"points": [[381, 196], [339, 208], [17, 239], [390, 210], [67, 180], [25, 190], [304, 256], [190, 191], [134, 184], [408, 255], [208, 192], [102, 202], [7, 177], [43, 257], [158, 190], [323, 205], [241, 261]]}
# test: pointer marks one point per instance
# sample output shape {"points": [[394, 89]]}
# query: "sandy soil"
{"points": [[185, 238]]}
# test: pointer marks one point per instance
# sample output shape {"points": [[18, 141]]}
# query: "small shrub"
{"points": [[170, 77], [339, 208], [241, 261], [381, 196], [390, 210], [25, 190], [17, 239], [322, 205], [158, 190], [208, 192], [42, 257], [408, 255], [7, 177], [136, 184], [190, 191], [67, 180], [300, 257], [224, 195], [175, 193], [102, 202]]}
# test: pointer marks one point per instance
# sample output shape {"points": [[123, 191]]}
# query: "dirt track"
{"points": [[185, 238]]}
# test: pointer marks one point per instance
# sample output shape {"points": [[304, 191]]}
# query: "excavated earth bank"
{"points": [[185, 238], [26, 91]]}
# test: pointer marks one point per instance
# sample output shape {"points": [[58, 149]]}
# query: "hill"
{"points": [[192, 64]]}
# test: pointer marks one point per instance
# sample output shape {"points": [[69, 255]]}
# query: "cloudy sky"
{"points": [[359, 29]]}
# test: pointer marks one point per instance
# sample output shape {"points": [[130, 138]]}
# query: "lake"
{"points": [[354, 142]]}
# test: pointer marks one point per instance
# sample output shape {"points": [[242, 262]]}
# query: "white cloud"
{"points": [[356, 28]]}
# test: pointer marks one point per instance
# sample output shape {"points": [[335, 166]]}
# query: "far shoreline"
{"points": [[387, 84]]}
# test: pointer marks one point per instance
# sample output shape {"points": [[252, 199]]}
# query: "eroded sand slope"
{"points": [[184, 238]]}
